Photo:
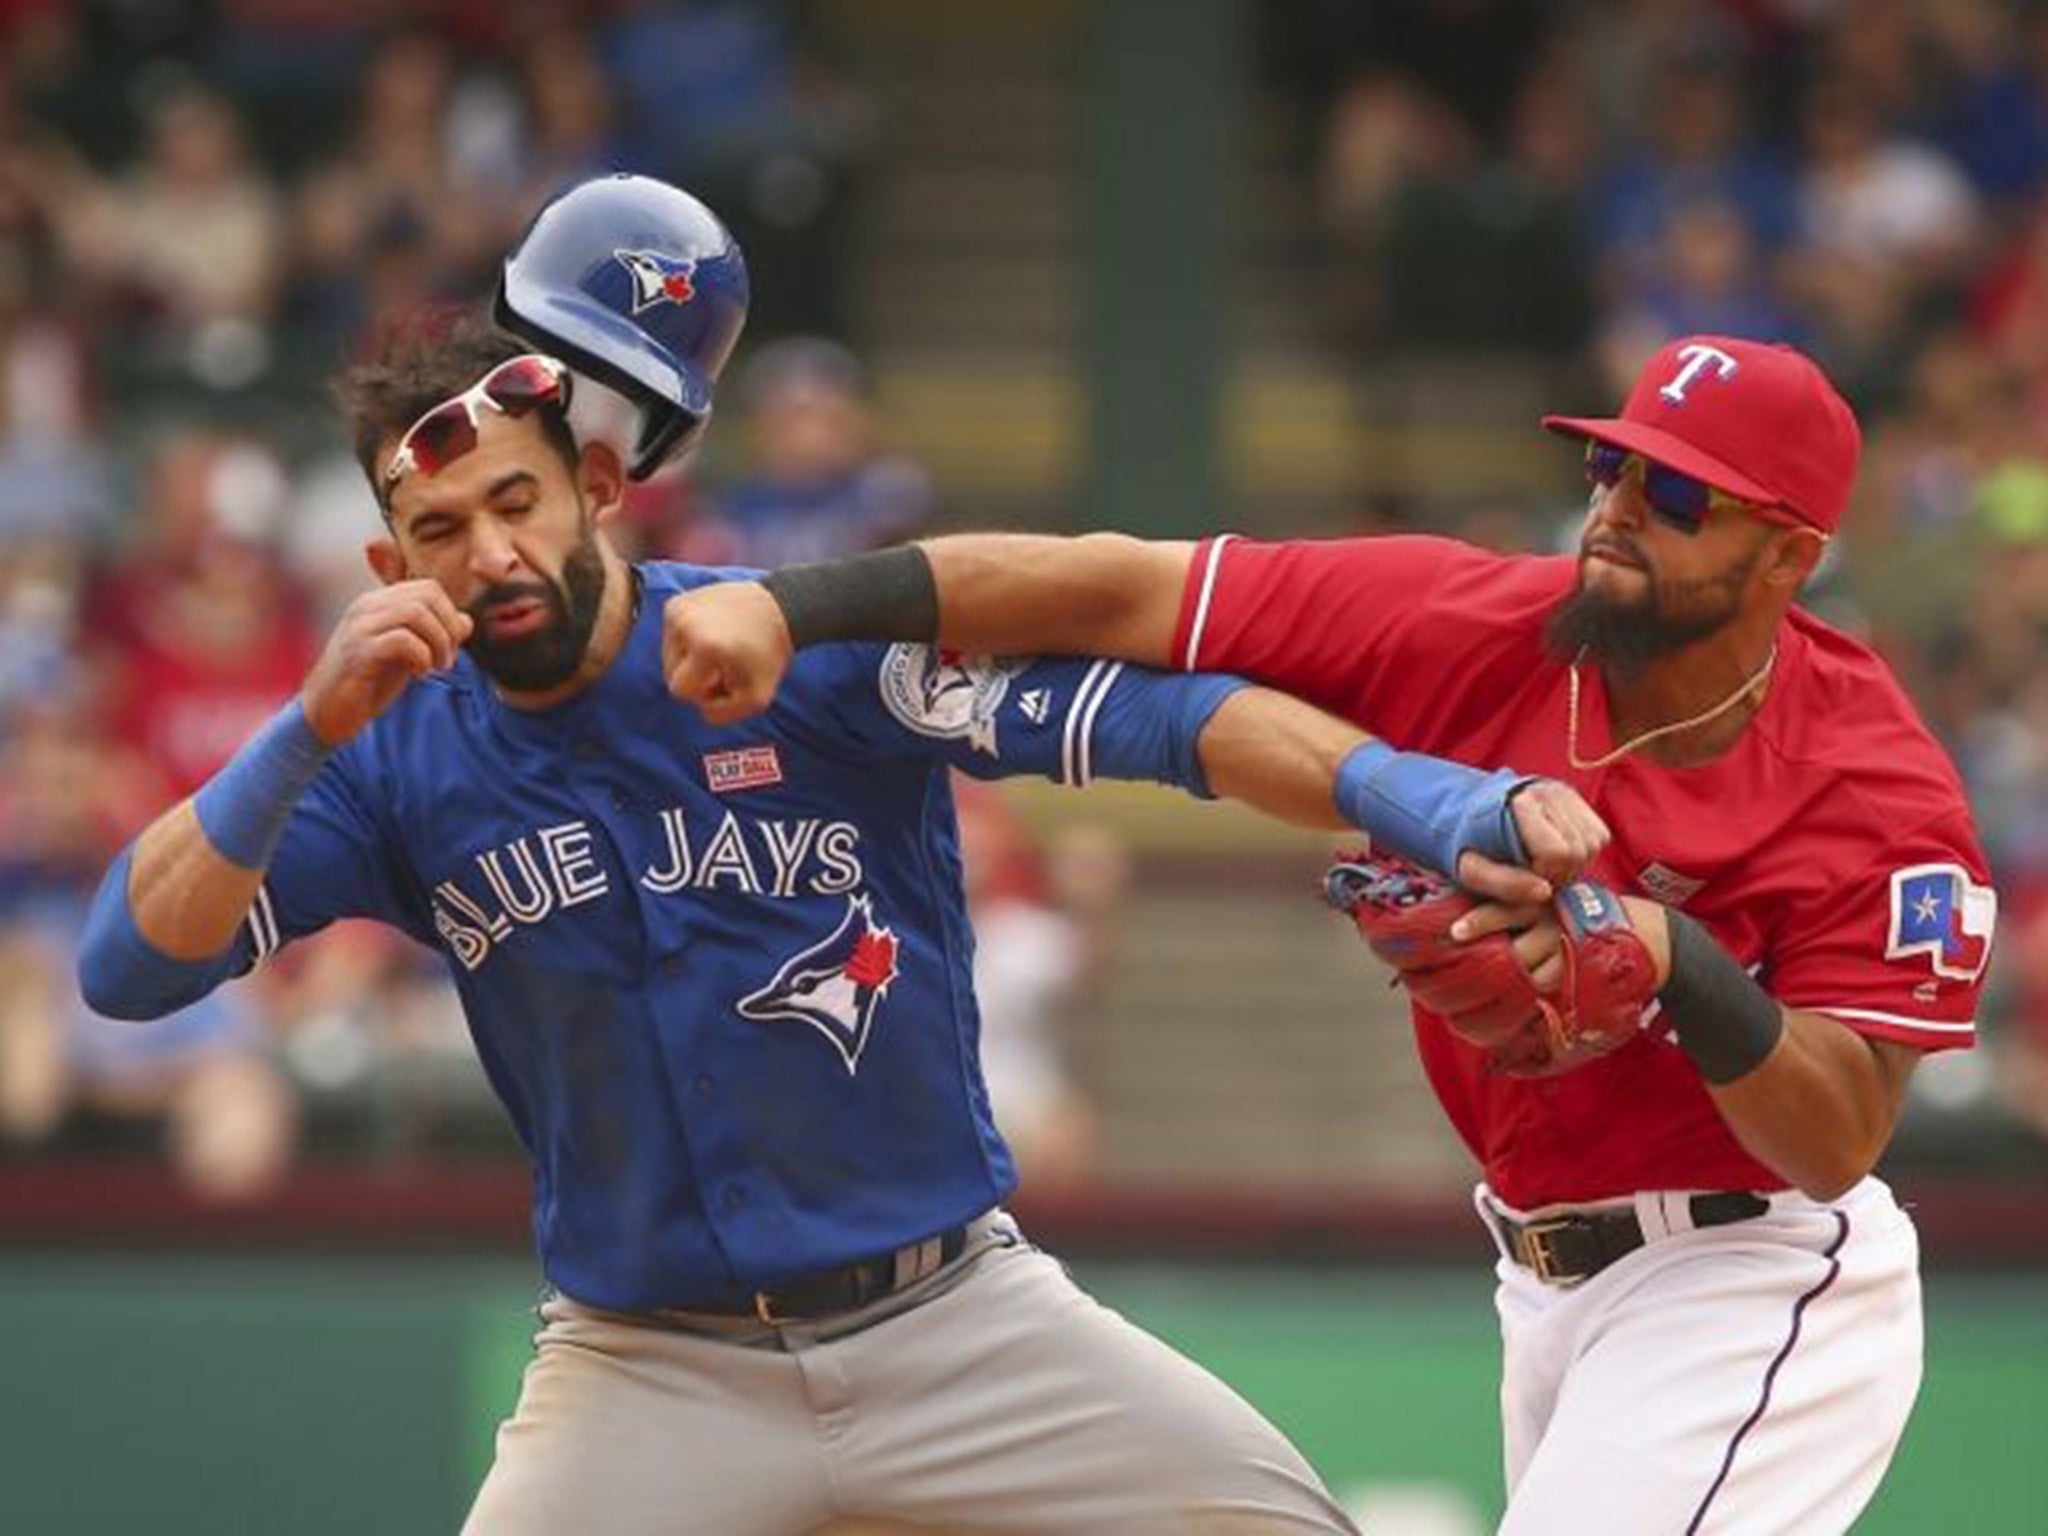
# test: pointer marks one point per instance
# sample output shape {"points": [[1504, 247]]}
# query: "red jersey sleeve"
{"points": [[1898, 948], [1391, 632]]}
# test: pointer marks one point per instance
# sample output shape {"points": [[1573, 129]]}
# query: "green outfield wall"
{"points": [[302, 1396]]}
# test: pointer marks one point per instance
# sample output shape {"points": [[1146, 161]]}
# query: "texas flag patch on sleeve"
{"points": [[1937, 911]]}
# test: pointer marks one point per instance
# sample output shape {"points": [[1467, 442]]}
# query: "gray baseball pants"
{"points": [[994, 1397]]}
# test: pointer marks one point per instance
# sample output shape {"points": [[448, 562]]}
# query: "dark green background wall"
{"points": [[305, 1396]]}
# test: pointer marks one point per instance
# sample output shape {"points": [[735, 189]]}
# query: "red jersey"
{"points": [[185, 708], [1830, 848]]}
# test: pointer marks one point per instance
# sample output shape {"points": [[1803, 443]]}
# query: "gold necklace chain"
{"points": [[1571, 744]]}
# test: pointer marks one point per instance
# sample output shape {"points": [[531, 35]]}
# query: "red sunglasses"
{"points": [[449, 430]]}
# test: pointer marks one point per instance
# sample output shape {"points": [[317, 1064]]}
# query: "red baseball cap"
{"points": [[1758, 420]]}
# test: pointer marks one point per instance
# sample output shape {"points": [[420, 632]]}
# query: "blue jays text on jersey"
{"points": [[719, 976]]}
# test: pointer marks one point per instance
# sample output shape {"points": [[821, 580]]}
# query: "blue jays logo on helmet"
{"points": [[835, 984], [658, 279], [637, 284]]}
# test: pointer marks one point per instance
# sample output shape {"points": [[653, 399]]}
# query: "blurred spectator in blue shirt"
{"points": [[570, 127], [1710, 282], [1993, 113], [1695, 147], [708, 85], [819, 487], [734, 100]]}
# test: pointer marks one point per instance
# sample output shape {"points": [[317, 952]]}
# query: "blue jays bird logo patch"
{"points": [[658, 279], [836, 984]]}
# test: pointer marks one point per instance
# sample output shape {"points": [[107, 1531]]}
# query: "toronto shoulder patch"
{"points": [[941, 693]]}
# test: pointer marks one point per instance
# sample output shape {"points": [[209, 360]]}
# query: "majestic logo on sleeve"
{"points": [[658, 279], [835, 985], [1939, 913], [943, 694]]}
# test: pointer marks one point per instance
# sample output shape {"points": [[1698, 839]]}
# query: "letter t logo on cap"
{"points": [[1698, 358]]}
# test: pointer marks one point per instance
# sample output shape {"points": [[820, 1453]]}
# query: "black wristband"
{"points": [[886, 595], [1725, 1022]]}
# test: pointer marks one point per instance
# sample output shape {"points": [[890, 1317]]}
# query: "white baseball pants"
{"points": [[1744, 1380]]}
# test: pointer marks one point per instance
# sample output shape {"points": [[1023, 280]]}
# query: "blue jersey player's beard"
{"points": [[548, 656], [1627, 635]]}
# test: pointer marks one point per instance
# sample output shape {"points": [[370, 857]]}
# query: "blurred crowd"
{"points": [[206, 209], [1867, 180]]}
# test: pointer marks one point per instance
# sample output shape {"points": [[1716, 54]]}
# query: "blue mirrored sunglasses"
{"points": [[1675, 497]]}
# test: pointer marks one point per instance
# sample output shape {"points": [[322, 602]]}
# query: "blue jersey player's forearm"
{"points": [[727, 648], [1212, 734], [174, 916], [1207, 734]]}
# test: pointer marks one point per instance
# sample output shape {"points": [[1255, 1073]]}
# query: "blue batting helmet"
{"points": [[637, 284]]}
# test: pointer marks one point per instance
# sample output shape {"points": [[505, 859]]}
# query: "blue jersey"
{"points": [[719, 976]]}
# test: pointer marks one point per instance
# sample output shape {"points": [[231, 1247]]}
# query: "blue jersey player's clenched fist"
{"points": [[719, 975]]}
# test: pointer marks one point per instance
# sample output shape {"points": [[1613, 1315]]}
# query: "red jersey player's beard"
{"points": [[1627, 633], [548, 656]]}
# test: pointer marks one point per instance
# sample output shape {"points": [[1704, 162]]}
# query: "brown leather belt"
{"points": [[1563, 1250]]}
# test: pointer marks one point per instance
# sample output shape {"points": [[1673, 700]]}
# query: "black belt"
{"points": [[1563, 1250], [848, 1288]]}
